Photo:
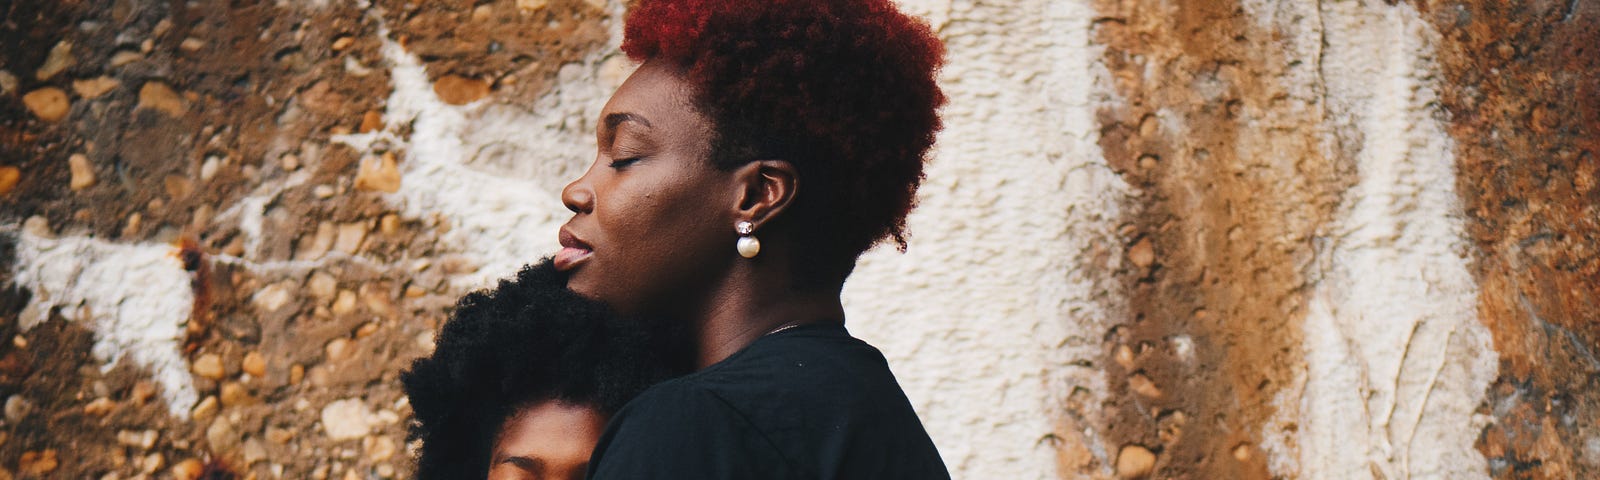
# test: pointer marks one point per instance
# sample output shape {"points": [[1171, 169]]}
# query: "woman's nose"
{"points": [[578, 196]]}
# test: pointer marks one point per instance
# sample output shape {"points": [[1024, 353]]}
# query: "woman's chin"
{"points": [[579, 284]]}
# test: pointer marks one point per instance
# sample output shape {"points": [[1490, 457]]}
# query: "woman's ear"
{"points": [[767, 188]]}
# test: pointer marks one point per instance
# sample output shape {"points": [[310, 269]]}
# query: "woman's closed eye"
{"points": [[624, 162]]}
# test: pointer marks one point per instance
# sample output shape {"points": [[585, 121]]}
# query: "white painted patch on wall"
{"points": [[136, 299], [493, 172], [988, 317], [1397, 361]]}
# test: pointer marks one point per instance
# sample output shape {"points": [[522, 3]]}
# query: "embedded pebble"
{"points": [[37, 463], [532, 5], [209, 366], [337, 349], [82, 171], [254, 364], [459, 90], [319, 376], [232, 394], [221, 435], [253, 452], [8, 82], [1242, 452], [142, 391], [205, 410], [372, 120], [482, 13], [347, 419], [49, 103], [379, 448], [425, 341], [345, 304], [95, 87], [134, 221], [137, 439], [350, 236], [178, 186], [1124, 357], [152, 462], [1135, 461], [279, 436], [1148, 161], [321, 285], [37, 226], [59, 59], [367, 330], [125, 57], [389, 224], [9, 177], [319, 243], [209, 168], [160, 97], [188, 469], [378, 174], [1142, 254], [1142, 385], [99, 407], [17, 408], [272, 298], [376, 298], [1170, 426], [344, 42]]}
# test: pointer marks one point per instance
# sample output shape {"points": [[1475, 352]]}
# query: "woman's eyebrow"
{"points": [[530, 464], [614, 119]]}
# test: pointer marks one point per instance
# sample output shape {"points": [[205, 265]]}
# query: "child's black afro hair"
{"points": [[526, 341]]}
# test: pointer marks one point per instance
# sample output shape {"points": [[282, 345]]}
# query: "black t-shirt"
{"points": [[809, 402]]}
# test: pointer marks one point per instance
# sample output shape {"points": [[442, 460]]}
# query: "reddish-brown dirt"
{"points": [[1233, 186], [1523, 83]]}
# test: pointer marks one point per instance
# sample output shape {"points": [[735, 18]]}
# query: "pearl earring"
{"points": [[748, 245]]}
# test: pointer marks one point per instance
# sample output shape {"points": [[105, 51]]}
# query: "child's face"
{"points": [[547, 441]]}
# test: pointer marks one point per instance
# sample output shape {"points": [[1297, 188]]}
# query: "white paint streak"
{"points": [[493, 172], [1397, 361], [1000, 295], [136, 299]]}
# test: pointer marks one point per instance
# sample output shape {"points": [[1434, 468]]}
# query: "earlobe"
{"points": [[769, 187]]}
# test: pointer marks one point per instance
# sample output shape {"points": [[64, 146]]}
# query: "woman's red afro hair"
{"points": [[843, 89]]}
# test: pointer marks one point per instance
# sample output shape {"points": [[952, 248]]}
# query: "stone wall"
{"points": [[1198, 239]]}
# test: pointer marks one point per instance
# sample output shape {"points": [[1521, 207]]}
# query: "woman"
{"points": [[760, 147], [522, 380]]}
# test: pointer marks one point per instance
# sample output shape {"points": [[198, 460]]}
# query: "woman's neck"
{"points": [[750, 304]]}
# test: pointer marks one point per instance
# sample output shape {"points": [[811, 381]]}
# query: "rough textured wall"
{"points": [[229, 226], [1159, 238]]}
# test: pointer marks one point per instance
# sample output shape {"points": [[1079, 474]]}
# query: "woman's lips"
{"points": [[569, 258], [573, 251]]}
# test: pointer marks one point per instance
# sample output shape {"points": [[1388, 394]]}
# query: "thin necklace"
{"points": [[783, 327]]}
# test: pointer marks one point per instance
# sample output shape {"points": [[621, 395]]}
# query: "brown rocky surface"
{"points": [[161, 119], [1223, 231], [1522, 92]]}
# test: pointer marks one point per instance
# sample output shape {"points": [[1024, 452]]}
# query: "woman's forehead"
{"points": [[656, 92]]}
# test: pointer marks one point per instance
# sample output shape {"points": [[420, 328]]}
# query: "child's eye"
{"points": [[620, 163]]}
